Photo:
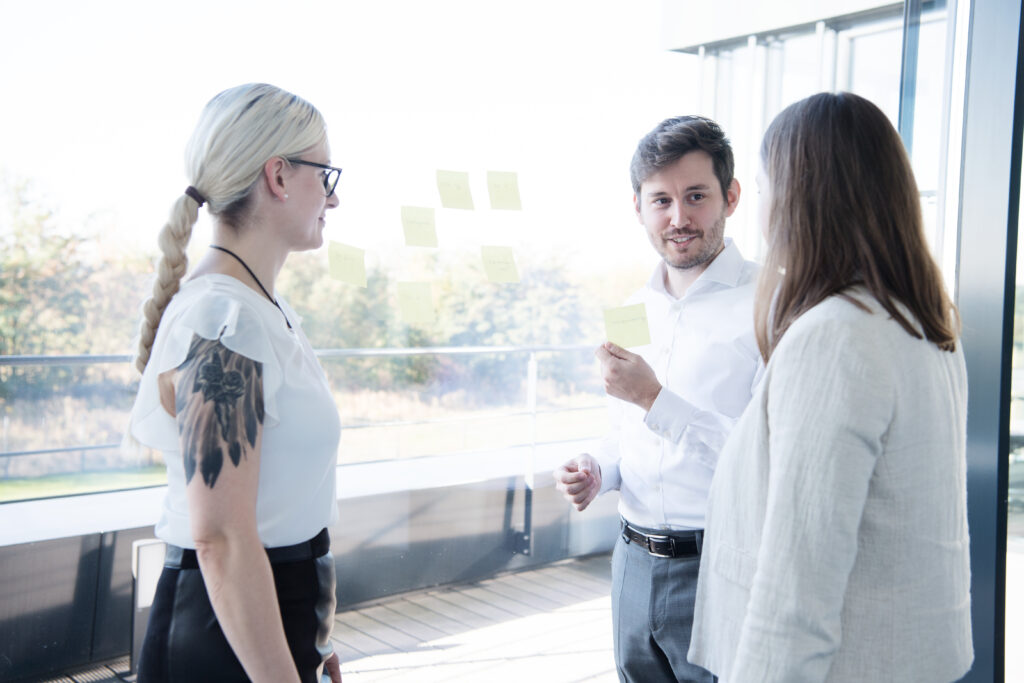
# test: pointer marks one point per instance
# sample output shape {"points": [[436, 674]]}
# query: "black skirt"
{"points": [[184, 642]]}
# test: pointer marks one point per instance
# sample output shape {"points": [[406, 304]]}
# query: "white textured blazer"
{"points": [[836, 547]]}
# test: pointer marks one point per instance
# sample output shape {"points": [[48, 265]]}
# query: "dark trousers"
{"points": [[185, 644], [652, 615]]}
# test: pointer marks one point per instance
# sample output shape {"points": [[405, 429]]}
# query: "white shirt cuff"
{"points": [[670, 415]]}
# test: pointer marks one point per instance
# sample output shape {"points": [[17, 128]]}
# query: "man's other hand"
{"points": [[627, 375], [579, 480]]}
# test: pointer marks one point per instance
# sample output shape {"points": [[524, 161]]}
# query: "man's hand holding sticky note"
{"points": [[627, 325]]}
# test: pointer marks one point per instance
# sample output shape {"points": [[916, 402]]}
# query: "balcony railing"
{"points": [[524, 409]]}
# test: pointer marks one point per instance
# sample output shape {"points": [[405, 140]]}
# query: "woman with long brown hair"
{"points": [[836, 545]]}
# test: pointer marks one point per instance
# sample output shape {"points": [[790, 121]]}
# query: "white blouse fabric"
{"points": [[301, 430], [837, 547]]}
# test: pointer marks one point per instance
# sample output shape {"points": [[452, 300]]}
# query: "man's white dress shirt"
{"points": [[705, 356]]}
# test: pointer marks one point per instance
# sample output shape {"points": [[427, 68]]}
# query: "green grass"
{"points": [[393, 442], [49, 486]]}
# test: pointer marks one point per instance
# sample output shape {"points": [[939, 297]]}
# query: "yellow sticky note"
{"points": [[454, 189], [416, 303], [503, 187], [347, 264], [419, 228], [499, 264], [627, 325]]}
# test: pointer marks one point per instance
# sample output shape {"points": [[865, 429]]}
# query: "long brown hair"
{"points": [[845, 211]]}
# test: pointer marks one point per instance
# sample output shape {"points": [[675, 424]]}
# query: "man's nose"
{"points": [[679, 217]]}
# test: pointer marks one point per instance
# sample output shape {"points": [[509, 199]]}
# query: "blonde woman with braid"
{"points": [[836, 547], [234, 397]]}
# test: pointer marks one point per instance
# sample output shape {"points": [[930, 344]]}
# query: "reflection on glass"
{"points": [[1015, 491], [875, 57]]}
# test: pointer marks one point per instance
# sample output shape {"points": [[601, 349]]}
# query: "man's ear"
{"points": [[732, 197], [636, 207], [273, 177]]}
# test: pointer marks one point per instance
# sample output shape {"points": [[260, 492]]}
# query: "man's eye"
{"points": [[696, 197]]}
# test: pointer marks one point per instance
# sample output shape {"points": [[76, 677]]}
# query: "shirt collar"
{"points": [[725, 269]]}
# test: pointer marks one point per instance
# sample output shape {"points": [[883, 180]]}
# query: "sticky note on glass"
{"points": [[416, 303], [454, 189], [418, 225], [347, 264], [627, 325], [503, 187], [499, 264]]}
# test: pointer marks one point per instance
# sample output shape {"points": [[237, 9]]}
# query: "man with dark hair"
{"points": [[675, 401]]}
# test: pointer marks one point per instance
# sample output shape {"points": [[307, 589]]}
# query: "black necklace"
{"points": [[258, 283]]}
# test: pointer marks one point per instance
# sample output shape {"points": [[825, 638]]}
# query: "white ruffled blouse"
{"points": [[301, 430]]}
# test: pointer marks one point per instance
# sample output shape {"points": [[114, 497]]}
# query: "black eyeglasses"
{"points": [[331, 173]]}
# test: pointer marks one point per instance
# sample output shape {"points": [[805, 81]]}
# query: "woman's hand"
{"points": [[333, 667]]}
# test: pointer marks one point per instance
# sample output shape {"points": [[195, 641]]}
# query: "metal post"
{"points": [[908, 77], [989, 203]]}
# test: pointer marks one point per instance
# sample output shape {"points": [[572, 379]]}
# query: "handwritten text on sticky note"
{"points": [[416, 303], [454, 189], [503, 186], [499, 264], [418, 225], [347, 264], [627, 325]]}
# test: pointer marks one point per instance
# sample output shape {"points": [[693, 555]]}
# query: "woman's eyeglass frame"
{"points": [[330, 178]]}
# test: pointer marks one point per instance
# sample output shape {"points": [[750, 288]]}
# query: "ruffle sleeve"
{"points": [[212, 315]]}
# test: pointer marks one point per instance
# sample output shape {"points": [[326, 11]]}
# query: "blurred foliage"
{"points": [[59, 294], [42, 306], [70, 291], [544, 308]]}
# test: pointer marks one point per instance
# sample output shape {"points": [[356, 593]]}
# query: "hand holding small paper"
{"points": [[627, 375], [627, 325]]}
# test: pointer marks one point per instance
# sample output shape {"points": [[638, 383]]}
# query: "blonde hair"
{"points": [[845, 211], [238, 131]]}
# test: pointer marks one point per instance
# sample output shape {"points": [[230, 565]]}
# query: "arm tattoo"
{"points": [[219, 401]]}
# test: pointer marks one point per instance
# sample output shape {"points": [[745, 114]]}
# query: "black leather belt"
{"points": [[679, 544], [185, 558]]}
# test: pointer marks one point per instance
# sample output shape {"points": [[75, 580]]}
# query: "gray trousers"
{"points": [[652, 615]]}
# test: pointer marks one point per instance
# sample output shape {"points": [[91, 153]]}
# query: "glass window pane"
{"points": [[78, 239], [874, 68], [1015, 491]]}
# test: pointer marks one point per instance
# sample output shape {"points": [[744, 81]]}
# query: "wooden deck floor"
{"points": [[547, 625], [544, 625]]}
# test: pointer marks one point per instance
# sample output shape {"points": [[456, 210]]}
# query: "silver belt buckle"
{"points": [[660, 539]]}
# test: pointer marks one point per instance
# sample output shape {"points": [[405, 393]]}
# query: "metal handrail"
{"points": [[327, 354], [96, 359]]}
